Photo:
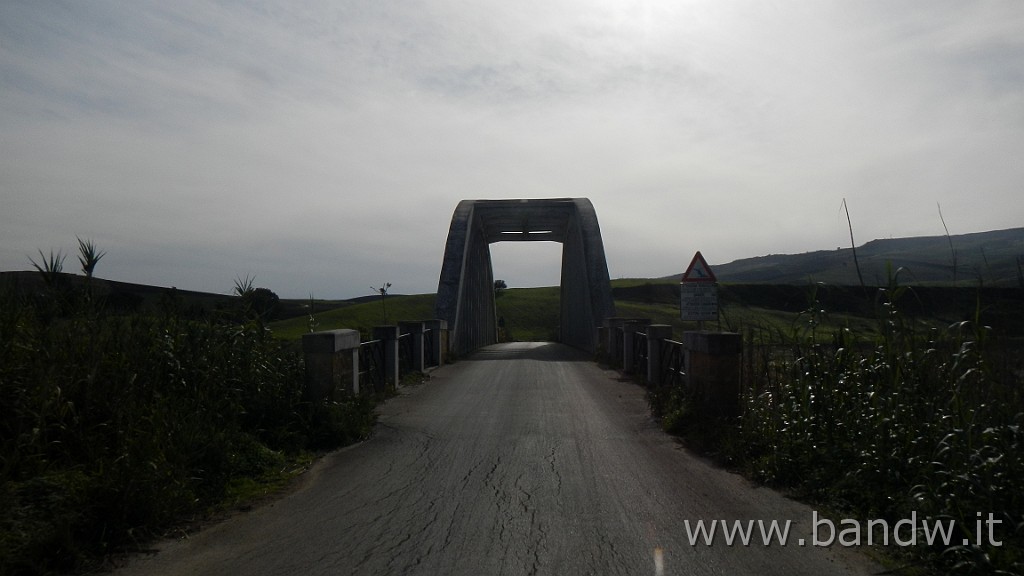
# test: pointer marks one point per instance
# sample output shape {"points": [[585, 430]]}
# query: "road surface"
{"points": [[525, 458]]}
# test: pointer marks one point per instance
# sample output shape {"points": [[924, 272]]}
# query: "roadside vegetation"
{"points": [[910, 420], [893, 417], [116, 426]]}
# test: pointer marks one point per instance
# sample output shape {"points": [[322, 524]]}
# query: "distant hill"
{"points": [[124, 294], [130, 297], [993, 258]]}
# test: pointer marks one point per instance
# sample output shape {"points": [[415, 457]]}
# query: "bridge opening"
{"points": [[465, 291], [527, 264], [527, 315]]}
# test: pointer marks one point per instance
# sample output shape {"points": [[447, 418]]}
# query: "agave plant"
{"points": [[88, 256], [49, 267], [244, 287]]}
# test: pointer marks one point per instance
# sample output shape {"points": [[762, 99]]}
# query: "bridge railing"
{"points": [[429, 337], [626, 342], [671, 368], [704, 365], [371, 365], [640, 353], [405, 352], [339, 364]]}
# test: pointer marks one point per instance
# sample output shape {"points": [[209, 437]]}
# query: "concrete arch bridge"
{"points": [[465, 290]]}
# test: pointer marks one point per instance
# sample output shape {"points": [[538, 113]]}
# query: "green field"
{"points": [[531, 314], [361, 316]]}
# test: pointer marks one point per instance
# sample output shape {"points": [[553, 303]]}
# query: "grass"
{"points": [[529, 314], [360, 316]]}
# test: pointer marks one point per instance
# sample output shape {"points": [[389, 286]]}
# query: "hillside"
{"points": [[131, 297], [993, 258]]}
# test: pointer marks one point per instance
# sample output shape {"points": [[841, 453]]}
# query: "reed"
{"points": [[115, 427], [908, 419]]}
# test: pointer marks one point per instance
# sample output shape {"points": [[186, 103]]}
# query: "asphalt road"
{"points": [[523, 459]]}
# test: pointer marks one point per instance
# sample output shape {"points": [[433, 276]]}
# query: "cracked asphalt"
{"points": [[525, 458]]}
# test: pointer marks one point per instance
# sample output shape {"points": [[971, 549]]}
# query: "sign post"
{"points": [[698, 292]]}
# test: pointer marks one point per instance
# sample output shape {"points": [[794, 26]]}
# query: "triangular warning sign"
{"points": [[698, 270]]}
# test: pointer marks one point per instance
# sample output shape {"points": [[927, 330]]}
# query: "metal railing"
{"points": [[380, 361], [640, 353], [405, 343], [371, 365], [428, 349], [673, 363]]}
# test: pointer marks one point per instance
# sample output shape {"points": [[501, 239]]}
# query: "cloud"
{"points": [[323, 146]]}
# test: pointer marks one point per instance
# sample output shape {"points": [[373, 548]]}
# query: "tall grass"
{"points": [[908, 420], [114, 427]]}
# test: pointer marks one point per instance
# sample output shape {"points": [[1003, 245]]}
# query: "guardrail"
{"points": [[705, 364], [371, 365], [639, 354], [339, 364], [672, 367], [405, 352]]}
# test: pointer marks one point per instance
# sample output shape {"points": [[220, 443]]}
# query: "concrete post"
{"points": [[656, 334], [388, 335], [713, 361], [614, 346], [629, 330], [435, 356], [332, 364], [415, 331]]}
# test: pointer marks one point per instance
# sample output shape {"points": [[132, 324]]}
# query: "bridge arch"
{"points": [[465, 291]]}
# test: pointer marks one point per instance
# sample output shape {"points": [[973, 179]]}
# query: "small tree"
{"points": [[264, 303], [499, 287], [312, 318], [383, 291]]}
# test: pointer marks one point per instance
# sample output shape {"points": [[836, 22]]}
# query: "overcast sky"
{"points": [[322, 146]]}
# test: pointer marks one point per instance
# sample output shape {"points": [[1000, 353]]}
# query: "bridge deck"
{"points": [[521, 459]]}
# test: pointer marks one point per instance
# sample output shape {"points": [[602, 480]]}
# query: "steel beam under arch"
{"points": [[465, 291]]}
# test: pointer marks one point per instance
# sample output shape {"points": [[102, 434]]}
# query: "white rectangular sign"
{"points": [[698, 301]]}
